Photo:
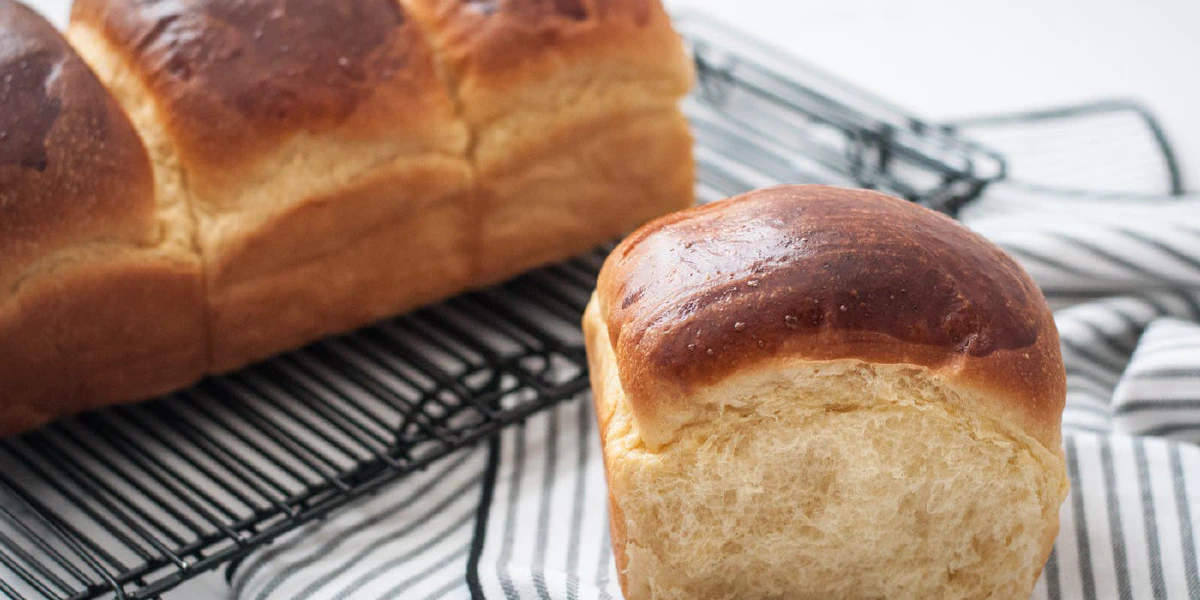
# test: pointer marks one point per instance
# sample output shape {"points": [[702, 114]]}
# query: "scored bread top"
{"points": [[822, 273], [72, 170]]}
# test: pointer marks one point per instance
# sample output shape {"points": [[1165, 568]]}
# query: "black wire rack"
{"points": [[130, 501], [762, 117]]}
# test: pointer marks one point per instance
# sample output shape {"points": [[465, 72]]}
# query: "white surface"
{"points": [[946, 58]]}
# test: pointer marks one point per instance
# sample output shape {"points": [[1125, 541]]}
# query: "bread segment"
{"points": [[100, 287], [317, 147], [573, 107], [809, 392]]}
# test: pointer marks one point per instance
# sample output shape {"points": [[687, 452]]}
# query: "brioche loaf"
{"points": [[811, 392], [255, 174]]}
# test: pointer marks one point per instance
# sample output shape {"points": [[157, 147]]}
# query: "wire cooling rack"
{"points": [[130, 501]]}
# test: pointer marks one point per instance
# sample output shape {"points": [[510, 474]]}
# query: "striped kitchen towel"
{"points": [[524, 517]]}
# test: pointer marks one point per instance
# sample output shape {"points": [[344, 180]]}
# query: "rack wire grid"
{"points": [[130, 501]]}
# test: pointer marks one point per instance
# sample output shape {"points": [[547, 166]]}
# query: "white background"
{"points": [[948, 58]]}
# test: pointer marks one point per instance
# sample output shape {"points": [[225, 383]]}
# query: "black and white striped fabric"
{"points": [[524, 518]]}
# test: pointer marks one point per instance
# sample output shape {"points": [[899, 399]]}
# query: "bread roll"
{"points": [[262, 173], [100, 291], [811, 392]]}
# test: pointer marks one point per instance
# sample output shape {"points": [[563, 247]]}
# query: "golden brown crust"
{"points": [[127, 325], [620, 173], [496, 51], [72, 170], [618, 534], [313, 138], [822, 273], [96, 304], [420, 255], [574, 111], [595, 337], [236, 79]]}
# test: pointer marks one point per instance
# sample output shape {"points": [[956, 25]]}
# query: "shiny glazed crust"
{"points": [[236, 80], [825, 273], [72, 171], [503, 55]]}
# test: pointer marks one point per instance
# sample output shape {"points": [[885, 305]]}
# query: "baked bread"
{"points": [[812, 392], [297, 168], [573, 109], [317, 147], [100, 291], [463, 141]]}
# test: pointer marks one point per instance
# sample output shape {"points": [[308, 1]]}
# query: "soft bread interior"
{"points": [[836, 479]]}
